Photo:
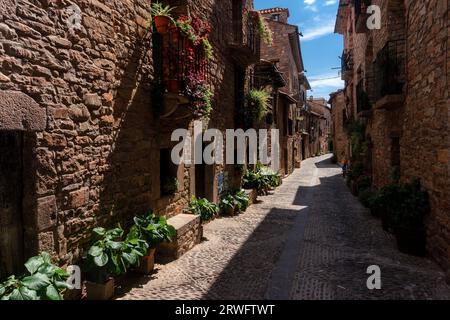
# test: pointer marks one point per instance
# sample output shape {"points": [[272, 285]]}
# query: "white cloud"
{"points": [[322, 85], [330, 2], [310, 5], [327, 83], [320, 28]]}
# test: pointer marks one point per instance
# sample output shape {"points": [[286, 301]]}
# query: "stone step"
{"points": [[189, 233], [252, 195]]}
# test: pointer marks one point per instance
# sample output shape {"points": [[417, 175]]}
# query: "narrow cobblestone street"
{"points": [[311, 239]]}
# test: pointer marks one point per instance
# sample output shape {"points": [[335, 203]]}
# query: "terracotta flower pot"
{"points": [[100, 291], [162, 24], [147, 262]]}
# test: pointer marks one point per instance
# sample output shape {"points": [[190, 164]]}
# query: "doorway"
{"points": [[11, 195]]}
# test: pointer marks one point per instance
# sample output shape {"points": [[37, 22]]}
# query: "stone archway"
{"points": [[20, 115]]}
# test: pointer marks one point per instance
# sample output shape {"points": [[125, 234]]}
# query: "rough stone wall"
{"points": [[96, 163], [281, 49], [425, 147], [422, 123], [94, 85], [382, 128], [340, 139]]}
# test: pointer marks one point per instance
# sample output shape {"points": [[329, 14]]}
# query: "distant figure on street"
{"points": [[345, 168]]}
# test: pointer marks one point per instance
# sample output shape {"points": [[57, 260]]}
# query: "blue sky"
{"points": [[321, 48]]}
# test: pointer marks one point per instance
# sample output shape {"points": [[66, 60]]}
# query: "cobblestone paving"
{"points": [[311, 239]]}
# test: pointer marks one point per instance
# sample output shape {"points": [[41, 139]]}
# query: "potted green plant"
{"points": [[256, 105], [109, 256], [43, 281], [261, 27], [242, 200], [409, 226], [170, 185], [263, 179], [161, 16], [203, 208], [228, 205], [153, 230]]}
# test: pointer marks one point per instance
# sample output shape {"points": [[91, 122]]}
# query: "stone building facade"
{"points": [[321, 125], [339, 119], [90, 141], [397, 84], [285, 52]]}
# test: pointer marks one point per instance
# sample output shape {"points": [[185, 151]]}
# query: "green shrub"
{"points": [[366, 198], [262, 179], [256, 105], [158, 10], [363, 183], [152, 229], [170, 185], [227, 203], [263, 29], [203, 208], [415, 205], [44, 281], [242, 199], [110, 256]]}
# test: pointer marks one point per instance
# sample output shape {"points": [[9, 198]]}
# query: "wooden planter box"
{"points": [[100, 291]]}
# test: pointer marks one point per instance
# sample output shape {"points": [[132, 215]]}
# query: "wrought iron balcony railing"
{"points": [[389, 69], [347, 64], [363, 104], [246, 40], [178, 61]]}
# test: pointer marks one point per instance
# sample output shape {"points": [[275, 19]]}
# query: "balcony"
{"points": [[363, 104], [390, 75], [178, 66], [245, 44], [361, 15], [347, 65]]}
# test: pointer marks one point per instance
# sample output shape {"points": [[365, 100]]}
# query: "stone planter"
{"points": [[100, 291], [147, 264], [228, 212], [411, 241]]}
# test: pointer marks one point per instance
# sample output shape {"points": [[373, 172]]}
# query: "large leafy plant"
{"points": [[152, 229], [234, 200], [159, 10], [110, 256], [256, 105], [44, 281], [227, 203], [170, 185], [242, 200], [262, 179], [262, 27], [203, 208]]}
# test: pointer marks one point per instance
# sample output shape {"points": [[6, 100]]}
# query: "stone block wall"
{"points": [[96, 163], [340, 139], [425, 147]]}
